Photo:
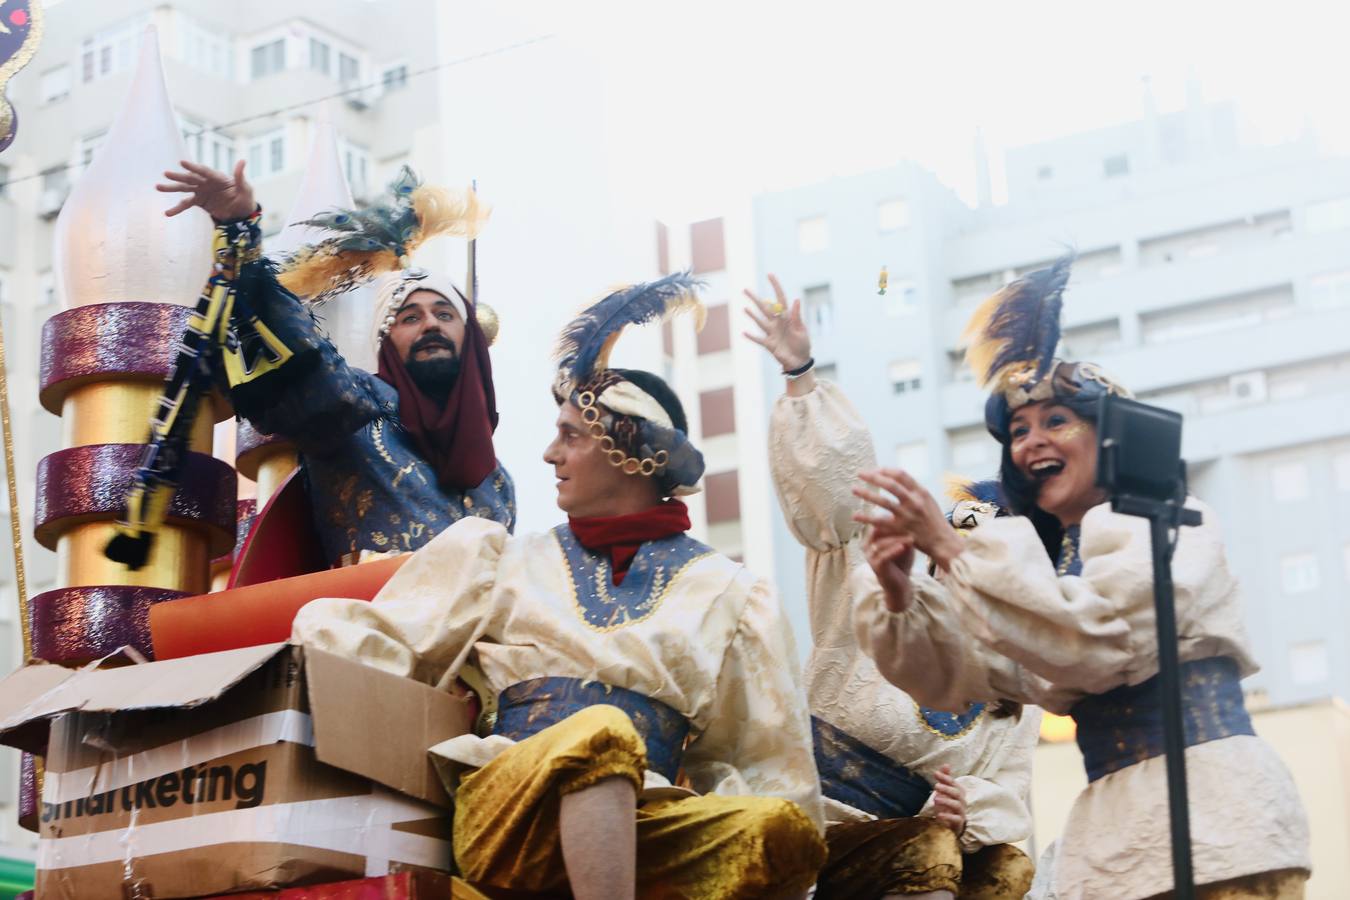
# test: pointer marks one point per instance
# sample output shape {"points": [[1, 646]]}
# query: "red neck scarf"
{"points": [[457, 438], [621, 536]]}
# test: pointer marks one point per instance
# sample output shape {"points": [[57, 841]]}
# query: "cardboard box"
{"points": [[401, 886], [243, 770]]}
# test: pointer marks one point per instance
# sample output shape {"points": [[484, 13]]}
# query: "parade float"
{"points": [[174, 745]]}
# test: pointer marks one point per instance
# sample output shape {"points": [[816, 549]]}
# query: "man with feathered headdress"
{"points": [[624, 658], [390, 459]]}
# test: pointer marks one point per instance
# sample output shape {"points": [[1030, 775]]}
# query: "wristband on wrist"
{"points": [[800, 370]]}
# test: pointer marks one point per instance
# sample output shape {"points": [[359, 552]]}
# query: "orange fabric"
{"points": [[258, 613]]}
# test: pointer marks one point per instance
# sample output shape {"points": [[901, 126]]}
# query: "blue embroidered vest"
{"points": [[604, 605], [371, 489]]}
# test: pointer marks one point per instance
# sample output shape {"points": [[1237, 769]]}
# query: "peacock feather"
{"points": [[586, 342], [1012, 336], [365, 243]]}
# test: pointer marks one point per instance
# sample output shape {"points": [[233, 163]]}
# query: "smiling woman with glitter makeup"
{"points": [[1054, 606]]}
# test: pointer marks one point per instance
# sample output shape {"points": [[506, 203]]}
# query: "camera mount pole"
{"points": [[1164, 518]]}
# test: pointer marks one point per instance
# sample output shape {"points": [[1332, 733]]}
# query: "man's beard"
{"points": [[436, 376]]}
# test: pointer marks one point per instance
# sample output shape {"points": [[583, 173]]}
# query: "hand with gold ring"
{"points": [[784, 333]]}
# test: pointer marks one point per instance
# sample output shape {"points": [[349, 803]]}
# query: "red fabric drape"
{"points": [[457, 438], [621, 536]]}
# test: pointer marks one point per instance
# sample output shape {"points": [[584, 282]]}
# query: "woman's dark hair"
{"points": [[1021, 491]]}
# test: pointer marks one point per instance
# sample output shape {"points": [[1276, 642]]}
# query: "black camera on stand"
{"points": [[1139, 465]]}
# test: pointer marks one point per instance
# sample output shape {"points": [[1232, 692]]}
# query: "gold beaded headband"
{"points": [[592, 415]]}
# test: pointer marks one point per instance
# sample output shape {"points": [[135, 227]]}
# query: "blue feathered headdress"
{"points": [[1012, 336], [636, 429], [585, 344], [1010, 345]]}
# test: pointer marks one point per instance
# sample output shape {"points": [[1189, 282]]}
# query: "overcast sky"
{"points": [[731, 96]]}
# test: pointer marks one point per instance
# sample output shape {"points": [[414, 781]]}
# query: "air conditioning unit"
{"points": [[360, 100], [1249, 387], [50, 202]]}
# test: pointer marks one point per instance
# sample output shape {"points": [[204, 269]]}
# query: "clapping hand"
{"points": [[902, 508]]}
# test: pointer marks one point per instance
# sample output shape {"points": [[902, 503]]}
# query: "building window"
{"points": [[819, 308], [267, 154], [892, 215], [723, 491], [1309, 663], [912, 456], [716, 334], [827, 372], [1217, 316], [707, 246], [906, 375], [1045, 173], [1298, 573], [56, 84], [222, 152], [395, 78], [663, 252], [208, 147], [349, 69], [87, 148], [204, 48], [47, 305], [320, 56], [356, 163], [1089, 341], [112, 50], [1330, 290], [267, 59], [974, 452], [1289, 482], [57, 179], [813, 235], [902, 298], [717, 411], [1114, 166], [1329, 215], [1342, 467]]}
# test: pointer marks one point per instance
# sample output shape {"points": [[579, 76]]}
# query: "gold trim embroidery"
{"points": [[660, 589], [923, 720]]}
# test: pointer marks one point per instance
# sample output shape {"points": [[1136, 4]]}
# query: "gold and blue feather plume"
{"points": [[1012, 336], [969, 490], [367, 242], [585, 344]]}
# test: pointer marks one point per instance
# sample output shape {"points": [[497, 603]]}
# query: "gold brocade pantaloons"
{"points": [[711, 846], [869, 860]]}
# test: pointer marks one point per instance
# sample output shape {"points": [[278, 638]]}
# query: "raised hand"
{"points": [[224, 197], [903, 508], [949, 800], [783, 333], [891, 558]]}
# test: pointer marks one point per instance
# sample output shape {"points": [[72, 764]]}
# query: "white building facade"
{"points": [[1213, 278]]}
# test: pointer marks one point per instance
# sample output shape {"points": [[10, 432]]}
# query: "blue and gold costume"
{"points": [[875, 746], [682, 671], [1063, 617], [370, 488]]}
